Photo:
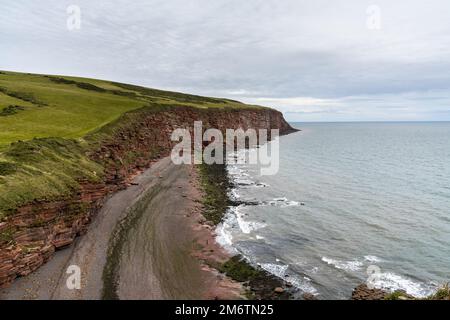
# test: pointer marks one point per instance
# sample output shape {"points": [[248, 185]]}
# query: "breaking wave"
{"points": [[392, 282], [353, 265]]}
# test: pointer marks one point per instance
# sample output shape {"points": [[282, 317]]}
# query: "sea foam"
{"points": [[353, 265]]}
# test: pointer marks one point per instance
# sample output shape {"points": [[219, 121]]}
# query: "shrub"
{"points": [[24, 96], [443, 293], [10, 110], [7, 168]]}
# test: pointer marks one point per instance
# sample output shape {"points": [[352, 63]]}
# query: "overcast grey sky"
{"points": [[314, 60]]}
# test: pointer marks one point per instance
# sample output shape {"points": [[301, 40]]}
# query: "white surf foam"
{"points": [[392, 282], [282, 202], [353, 265], [245, 225], [372, 258], [387, 281], [280, 270], [234, 194], [224, 233]]}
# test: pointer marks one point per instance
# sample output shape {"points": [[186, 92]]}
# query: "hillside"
{"points": [[58, 119], [67, 143], [37, 106]]}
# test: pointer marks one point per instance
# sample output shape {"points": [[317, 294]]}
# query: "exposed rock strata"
{"points": [[362, 292], [35, 231]]}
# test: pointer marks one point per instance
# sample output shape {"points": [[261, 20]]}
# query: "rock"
{"points": [[278, 290], [3, 226], [309, 296], [362, 292], [49, 225]]}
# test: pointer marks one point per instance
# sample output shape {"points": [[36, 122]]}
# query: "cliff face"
{"points": [[36, 230]]}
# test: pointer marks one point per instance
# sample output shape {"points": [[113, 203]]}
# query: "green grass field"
{"points": [[45, 122], [37, 106]]}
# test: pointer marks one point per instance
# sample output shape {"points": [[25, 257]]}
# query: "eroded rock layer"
{"points": [[31, 235]]}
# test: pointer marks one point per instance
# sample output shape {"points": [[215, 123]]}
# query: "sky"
{"points": [[335, 60]]}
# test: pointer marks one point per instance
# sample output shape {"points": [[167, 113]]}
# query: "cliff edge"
{"points": [[71, 142]]}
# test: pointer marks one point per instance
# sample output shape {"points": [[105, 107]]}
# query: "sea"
{"points": [[351, 203]]}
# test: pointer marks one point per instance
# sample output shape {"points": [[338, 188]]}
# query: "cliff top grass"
{"points": [[442, 293], [40, 106], [45, 122]]}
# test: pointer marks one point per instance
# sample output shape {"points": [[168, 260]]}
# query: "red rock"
{"points": [[362, 292], [278, 290], [49, 225]]}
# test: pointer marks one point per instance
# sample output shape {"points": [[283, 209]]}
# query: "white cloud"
{"points": [[312, 58]]}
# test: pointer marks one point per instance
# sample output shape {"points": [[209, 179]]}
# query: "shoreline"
{"points": [[171, 187], [73, 187], [152, 241], [259, 283], [175, 194]]}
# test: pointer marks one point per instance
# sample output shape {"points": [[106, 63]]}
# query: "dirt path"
{"points": [[157, 251]]}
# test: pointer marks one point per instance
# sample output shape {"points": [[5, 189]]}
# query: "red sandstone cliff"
{"points": [[40, 228]]}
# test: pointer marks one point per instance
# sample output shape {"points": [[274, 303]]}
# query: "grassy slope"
{"points": [[69, 111], [51, 115]]}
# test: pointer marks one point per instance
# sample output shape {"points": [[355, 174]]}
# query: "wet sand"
{"points": [[153, 241]]}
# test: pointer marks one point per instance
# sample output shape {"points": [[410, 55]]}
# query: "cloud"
{"points": [[407, 106], [305, 57]]}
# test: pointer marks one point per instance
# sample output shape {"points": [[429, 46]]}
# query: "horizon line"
{"points": [[368, 121]]}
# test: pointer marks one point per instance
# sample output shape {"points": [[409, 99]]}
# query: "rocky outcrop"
{"points": [[149, 137], [363, 292], [40, 228], [31, 235]]}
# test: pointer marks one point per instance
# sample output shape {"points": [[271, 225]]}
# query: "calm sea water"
{"points": [[349, 196]]}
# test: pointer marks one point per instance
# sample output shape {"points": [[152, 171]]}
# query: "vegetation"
{"points": [[7, 236], [260, 283], [240, 270], [75, 107], [216, 186], [24, 96], [10, 110], [49, 123], [443, 293], [398, 295], [43, 169]]}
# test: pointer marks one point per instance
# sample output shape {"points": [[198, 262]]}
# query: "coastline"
{"points": [[177, 216], [258, 283], [177, 259], [175, 195], [41, 223], [157, 240], [98, 180]]}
